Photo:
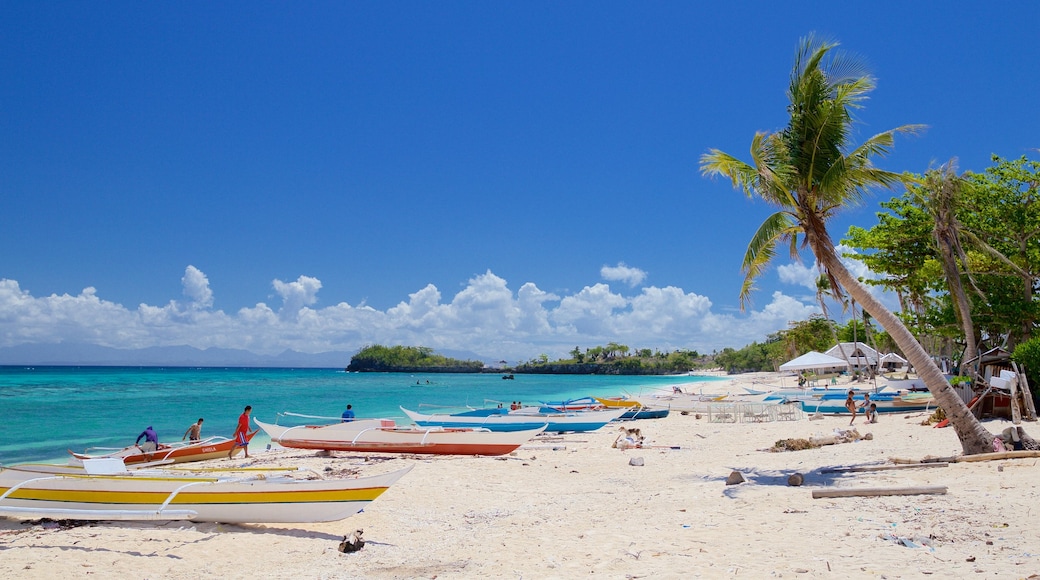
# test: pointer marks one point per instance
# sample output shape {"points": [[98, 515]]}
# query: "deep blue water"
{"points": [[51, 409]]}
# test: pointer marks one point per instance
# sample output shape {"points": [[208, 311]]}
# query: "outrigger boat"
{"points": [[633, 409], [384, 436], [179, 452], [85, 493], [527, 418], [885, 402]]}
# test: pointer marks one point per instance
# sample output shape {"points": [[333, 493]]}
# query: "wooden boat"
{"points": [[618, 402], [520, 420], [633, 409], [582, 404], [383, 436], [886, 403], [74, 492], [179, 452]]}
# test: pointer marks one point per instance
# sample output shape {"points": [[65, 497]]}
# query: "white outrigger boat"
{"points": [[384, 436], [104, 490]]}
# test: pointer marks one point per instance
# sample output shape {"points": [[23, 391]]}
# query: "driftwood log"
{"points": [[969, 458], [882, 467], [879, 491]]}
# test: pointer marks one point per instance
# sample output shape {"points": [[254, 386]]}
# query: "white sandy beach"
{"points": [[572, 506]]}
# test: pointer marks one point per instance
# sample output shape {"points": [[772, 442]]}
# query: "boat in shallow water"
{"points": [[384, 436], [179, 452], [112, 493], [498, 419]]}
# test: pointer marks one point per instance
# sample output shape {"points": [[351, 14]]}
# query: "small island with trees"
{"points": [[612, 359]]}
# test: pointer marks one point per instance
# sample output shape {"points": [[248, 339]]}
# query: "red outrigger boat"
{"points": [[179, 452]]}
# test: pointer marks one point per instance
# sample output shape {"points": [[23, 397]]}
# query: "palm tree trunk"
{"points": [[961, 306], [973, 436]]}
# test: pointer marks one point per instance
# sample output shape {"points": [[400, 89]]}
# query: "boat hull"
{"points": [[68, 492], [645, 413], [896, 404], [375, 436], [202, 451], [504, 421]]}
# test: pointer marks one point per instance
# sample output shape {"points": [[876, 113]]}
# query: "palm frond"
{"points": [[762, 249], [740, 173]]}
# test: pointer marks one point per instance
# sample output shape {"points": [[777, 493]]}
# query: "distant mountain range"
{"points": [[66, 354]]}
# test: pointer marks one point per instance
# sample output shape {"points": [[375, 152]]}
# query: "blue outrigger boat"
{"points": [[886, 402], [500, 419]]}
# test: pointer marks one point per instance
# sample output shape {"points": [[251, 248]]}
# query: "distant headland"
{"points": [[613, 359]]}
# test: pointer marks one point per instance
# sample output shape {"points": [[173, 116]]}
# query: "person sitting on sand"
{"points": [[851, 406], [628, 439], [872, 413], [194, 433], [151, 440]]}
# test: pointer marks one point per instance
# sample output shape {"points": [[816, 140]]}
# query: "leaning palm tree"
{"points": [[939, 196], [810, 170]]}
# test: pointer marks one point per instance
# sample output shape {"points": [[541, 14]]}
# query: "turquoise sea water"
{"points": [[51, 409]]}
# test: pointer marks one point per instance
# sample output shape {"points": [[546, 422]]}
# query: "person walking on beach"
{"points": [[242, 433], [851, 406], [194, 433], [348, 415], [151, 440]]}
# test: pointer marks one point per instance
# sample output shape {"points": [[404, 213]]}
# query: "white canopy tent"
{"points": [[813, 360]]}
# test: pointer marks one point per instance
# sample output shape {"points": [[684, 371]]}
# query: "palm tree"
{"points": [[939, 196], [809, 171]]}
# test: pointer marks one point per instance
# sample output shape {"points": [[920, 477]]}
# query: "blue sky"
{"points": [[507, 178]]}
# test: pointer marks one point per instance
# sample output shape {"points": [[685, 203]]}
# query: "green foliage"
{"points": [[1027, 355], [752, 358], [614, 358], [396, 358]]}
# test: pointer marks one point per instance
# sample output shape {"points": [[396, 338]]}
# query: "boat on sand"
{"points": [[113, 493], [499, 419], [383, 436]]}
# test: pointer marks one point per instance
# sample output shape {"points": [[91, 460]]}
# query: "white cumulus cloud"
{"points": [[622, 273], [486, 317]]}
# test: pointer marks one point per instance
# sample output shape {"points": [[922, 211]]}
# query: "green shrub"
{"points": [[1027, 355]]}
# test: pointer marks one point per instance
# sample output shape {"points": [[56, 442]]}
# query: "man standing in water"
{"points": [[348, 415], [194, 433], [242, 433]]}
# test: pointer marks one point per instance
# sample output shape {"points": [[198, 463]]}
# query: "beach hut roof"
{"points": [[813, 360], [858, 353], [892, 357]]}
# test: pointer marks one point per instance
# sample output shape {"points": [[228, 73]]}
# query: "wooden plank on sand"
{"points": [[879, 491], [883, 467], [1023, 454]]}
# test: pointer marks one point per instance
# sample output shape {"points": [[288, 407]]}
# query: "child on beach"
{"points": [[851, 406], [865, 405], [872, 413]]}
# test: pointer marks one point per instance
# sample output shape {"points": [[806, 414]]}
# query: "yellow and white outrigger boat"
{"points": [[107, 491]]}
